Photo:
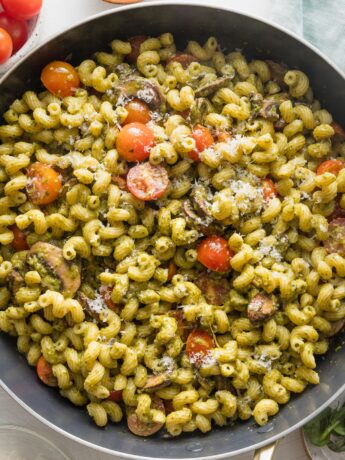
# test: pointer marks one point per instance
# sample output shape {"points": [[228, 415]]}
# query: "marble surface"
{"points": [[301, 16]]}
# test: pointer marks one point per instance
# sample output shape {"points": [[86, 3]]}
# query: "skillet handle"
{"points": [[266, 452]]}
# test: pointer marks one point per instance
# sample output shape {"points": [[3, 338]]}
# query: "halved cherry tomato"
{"points": [[60, 78], [19, 242], [134, 142], [18, 30], [105, 292], [269, 189], [171, 270], [203, 139], [44, 183], [184, 59], [6, 46], [224, 137], [138, 111], [333, 166], [147, 182], [115, 395], [22, 9], [336, 240], [45, 372], [135, 44], [140, 428], [214, 253], [198, 345], [338, 129]]}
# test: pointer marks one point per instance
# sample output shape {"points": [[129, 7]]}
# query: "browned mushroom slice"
{"points": [[269, 110], [260, 307], [277, 71], [142, 89], [212, 87], [200, 109], [56, 273], [141, 428], [201, 198], [15, 281], [155, 382], [223, 383], [216, 290]]}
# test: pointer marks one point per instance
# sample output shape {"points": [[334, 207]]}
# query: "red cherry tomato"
{"points": [[115, 395], [338, 129], [45, 372], [105, 292], [199, 343], [224, 137], [6, 46], [214, 253], [44, 183], [135, 44], [18, 30], [138, 111], [171, 270], [147, 182], [336, 240], [60, 78], [331, 166], [269, 189], [19, 242], [22, 9], [134, 142], [203, 139], [184, 59]]}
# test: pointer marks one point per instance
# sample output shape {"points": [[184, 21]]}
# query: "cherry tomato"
{"points": [[6, 46], [336, 240], [45, 372], [60, 78], [22, 9], [19, 242], [338, 129], [224, 137], [199, 343], [115, 395], [171, 270], [44, 183], [138, 111], [214, 253], [147, 182], [18, 30], [135, 44], [331, 166], [203, 139], [134, 142], [105, 292], [269, 189], [184, 59], [140, 428]]}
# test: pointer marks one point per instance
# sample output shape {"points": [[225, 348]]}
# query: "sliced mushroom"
{"points": [[260, 307], [200, 109], [215, 289], [56, 273], [142, 89], [140, 428], [212, 87], [269, 110], [202, 223], [277, 71], [155, 382], [200, 198], [15, 281], [223, 383]]}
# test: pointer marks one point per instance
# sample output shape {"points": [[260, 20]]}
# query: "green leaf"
{"points": [[316, 430]]}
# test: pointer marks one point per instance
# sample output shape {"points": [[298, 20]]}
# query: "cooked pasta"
{"points": [[172, 234]]}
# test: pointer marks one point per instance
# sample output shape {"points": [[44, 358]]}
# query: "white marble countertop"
{"points": [[58, 15]]}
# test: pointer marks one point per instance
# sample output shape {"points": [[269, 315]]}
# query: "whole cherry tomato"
{"points": [[6, 46], [138, 111], [214, 253], [134, 142], [22, 9], [60, 78], [18, 30]]}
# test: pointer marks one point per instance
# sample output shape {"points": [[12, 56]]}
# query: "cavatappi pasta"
{"points": [[172, 234]]}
